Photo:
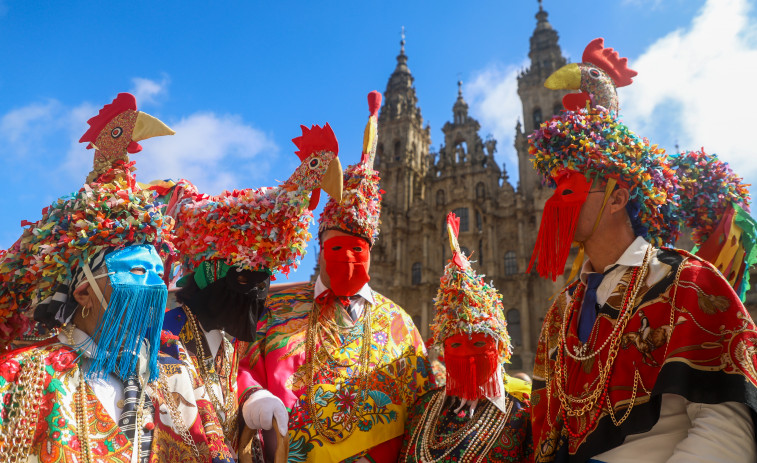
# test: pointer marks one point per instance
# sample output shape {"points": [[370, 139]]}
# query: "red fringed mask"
{"points": [[347, 264], [472, 363], [558, 224]]}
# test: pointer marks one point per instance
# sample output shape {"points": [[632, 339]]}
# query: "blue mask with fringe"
{"points": [[135, 313]]}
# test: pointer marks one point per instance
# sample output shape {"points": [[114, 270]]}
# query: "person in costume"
{"points": [[649, 355], [258, 232], [91, 267], [337, 361], [481, 414]]}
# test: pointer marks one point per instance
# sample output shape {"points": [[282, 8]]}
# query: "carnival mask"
{"points": [[558, 224], [347, 260], [472, 362], [134, 312]]}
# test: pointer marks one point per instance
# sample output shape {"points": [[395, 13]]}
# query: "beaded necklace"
{"points": [[228, 407], [593, 400], [488, 422], [348, 425]]}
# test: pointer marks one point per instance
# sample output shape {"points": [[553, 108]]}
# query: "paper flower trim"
{"points": [[114, 213], [707, 187], [598, 144], [360, 210], [466, 304], [264, 229]]}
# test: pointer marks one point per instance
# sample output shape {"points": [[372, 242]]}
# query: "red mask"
{"points": [[347, 264], [558, 224], [472, 362]]}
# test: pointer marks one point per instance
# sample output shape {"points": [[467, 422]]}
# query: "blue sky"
{"points": [[235, 79]]}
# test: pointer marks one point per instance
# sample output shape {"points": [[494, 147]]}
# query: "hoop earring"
{"points": [[85, 311]]}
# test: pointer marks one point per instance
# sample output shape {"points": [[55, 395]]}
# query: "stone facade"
{"points": [[499, 222]]}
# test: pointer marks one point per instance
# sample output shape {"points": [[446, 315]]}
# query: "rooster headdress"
{"points": [[264, 229], [466, 305], [359, 211], [39, 272]]}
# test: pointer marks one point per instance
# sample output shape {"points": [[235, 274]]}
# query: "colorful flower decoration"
{"points": [[259, 229], [707, 187], [597, 144]]}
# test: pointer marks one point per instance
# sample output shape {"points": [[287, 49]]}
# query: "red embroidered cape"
{"points": [[689, 334]]}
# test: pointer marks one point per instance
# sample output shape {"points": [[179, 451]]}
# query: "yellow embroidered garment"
{"points": [[360, 393]]}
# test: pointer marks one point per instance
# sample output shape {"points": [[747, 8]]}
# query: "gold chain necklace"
{"points": [[362, 376], [593, 399], [21, 422], [229, 405]]}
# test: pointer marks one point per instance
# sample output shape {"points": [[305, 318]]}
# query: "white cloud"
{"points": [[146, 90], [20, 127], [215, 152], [210, 150], [494, 101], [696, 86]]}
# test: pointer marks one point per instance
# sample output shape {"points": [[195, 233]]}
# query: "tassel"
{"points": [[134, 313], [473, 377], [553, 243]]}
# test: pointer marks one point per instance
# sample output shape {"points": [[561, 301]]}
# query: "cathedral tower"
{"points": [[539, 102]]}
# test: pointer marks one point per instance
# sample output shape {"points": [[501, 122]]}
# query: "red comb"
{"points": [[123, 102], [315, 139], [374, 102], [454, 221], [609, 61]]}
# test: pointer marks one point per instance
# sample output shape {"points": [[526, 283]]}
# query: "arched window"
{"points": [[513, 327], [462, 212], [416, 273], [397, 148], [511, 263], [479, 221], [480, 191], [440, 198], [537, 117], [480, 252]]}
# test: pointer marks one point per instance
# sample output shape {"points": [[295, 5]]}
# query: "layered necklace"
{"points": [[481, 431], [592, 399], [208, 373], [313, 365]]}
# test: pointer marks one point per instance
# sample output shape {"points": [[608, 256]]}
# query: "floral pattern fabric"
{"points": [[399, 373], [57, 439]]}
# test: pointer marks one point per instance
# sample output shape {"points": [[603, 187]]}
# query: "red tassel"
{"points": [[558, 226]]}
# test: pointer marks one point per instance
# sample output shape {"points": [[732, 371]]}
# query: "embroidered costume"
{"points": [[107, 395], [346, 361], [480, 414], [651, 358], [229, 245]]}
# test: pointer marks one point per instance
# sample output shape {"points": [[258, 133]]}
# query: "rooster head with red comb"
{"points": [[116, 131], [601, 71]]}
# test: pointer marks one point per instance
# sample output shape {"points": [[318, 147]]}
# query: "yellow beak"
{"points": [[332, 182], [148, 126], [567, 77]]}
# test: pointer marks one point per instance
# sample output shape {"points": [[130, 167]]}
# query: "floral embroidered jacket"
{"points": [[398, 374], [688, 334], [44, 379]]}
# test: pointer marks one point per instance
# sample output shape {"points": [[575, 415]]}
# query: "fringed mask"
{"points": [[347, 263], [134, 312], [472, 364], [558, 224]]}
